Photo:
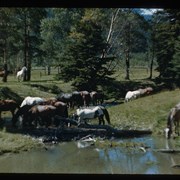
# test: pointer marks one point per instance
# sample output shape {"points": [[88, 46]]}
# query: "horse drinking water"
{"points": [[21, 73], [173, 120], [92, 113], [8, 105]]}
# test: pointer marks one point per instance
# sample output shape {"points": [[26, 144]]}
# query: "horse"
{"points": [[62, 108], [66, 98], [23, 113], [96, 97], [8, 105], [2, 73], [41, 114], [173, 120], [20, 74], [77, 99], [86, 98], [85, 114], [27, 117], [130, 95], [32, 101]]}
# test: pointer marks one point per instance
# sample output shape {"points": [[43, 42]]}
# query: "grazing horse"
{"points": [[173, 120], [130, 95], [92, 113], [96, 97], [25, 112], [62, 108], [66, 98], [8, 105], [32, 101], [86, 98], [42, 114], [77, 99], [20, 74]]}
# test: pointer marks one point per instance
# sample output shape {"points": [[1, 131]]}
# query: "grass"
{"points": [[148, 112], [15, 143]]}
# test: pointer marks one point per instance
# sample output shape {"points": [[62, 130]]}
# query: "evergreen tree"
{"points": [[176, 61], [167, 31], [82, 62]]}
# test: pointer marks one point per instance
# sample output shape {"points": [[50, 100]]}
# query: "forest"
{"points": [[89, 45]]}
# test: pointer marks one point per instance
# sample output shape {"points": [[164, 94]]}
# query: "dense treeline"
{"points": [[87, 45]]}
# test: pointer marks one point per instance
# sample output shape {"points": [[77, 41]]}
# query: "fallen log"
{"points": [[168, 150], [76, 132], [176, 166]]}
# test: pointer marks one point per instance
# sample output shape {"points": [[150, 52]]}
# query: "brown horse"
{"points": [[2, 73], [173, 121], [86, 98], [8, 105], [62, 108], [43, 113], [97, 97]]}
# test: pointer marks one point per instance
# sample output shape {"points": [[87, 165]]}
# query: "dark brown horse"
{"points": [[22, 113], [97, 97], [8, 105], [62, 108], [42, 114], [2, 73]]}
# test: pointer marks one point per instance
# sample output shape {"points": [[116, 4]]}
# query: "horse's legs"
{"points": [[101, 119], [177, 128]]}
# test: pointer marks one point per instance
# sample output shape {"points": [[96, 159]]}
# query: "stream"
{"points": [[76, 158]]}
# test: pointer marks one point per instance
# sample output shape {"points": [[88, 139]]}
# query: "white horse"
{"points": [[92, 113], [130, 95], [32, 101], [21, 73]]}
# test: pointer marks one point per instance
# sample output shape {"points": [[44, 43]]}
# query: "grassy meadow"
{"points": [[149, 112]]}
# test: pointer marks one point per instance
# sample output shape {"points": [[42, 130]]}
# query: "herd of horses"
{"points": [[34, 111]]}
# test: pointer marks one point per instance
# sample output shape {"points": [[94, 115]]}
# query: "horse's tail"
{"points": [[66, 112], [106, 113]]}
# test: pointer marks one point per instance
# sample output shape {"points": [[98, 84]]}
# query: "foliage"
{"points": [[82, 60], [167, 32]]}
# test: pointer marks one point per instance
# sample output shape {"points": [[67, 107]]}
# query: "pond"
{"points": [[70, 158]]}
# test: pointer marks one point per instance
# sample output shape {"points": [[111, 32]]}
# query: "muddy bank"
{"points": [[75, 133]]}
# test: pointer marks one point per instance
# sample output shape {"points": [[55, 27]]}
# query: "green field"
{"points": [[149, 112]]}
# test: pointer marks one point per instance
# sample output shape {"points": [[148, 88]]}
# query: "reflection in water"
{"points": [[67, 158]]}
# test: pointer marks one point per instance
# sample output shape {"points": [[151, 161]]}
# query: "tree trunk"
{"points": [[4, 79], [127, 51]]}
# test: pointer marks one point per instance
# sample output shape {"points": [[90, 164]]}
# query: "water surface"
{"points": [[68, 157]]}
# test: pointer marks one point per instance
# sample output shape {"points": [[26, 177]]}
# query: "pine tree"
{"points": [[82, 60]]}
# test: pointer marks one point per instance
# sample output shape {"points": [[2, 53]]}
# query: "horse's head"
{"points": [[24, 68]]}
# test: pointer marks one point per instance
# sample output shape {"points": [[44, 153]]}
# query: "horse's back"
{"points": [[32, 101], [6, 105]]}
